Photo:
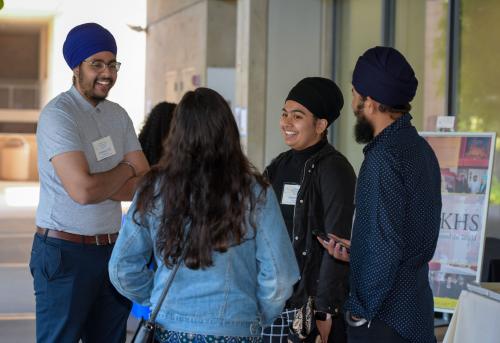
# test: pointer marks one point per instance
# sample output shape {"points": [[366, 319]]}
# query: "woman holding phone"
{"points": [[339, 248], [315, 186], [204, 194]]}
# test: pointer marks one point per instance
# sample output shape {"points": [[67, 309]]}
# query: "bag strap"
{"points": [[170, 279]]}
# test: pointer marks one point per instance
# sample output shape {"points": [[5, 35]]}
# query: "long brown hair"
{"points": [[203, 184]]}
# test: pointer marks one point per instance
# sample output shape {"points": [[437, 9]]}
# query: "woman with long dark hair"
{"points": [[155, 131], [205, 195]]}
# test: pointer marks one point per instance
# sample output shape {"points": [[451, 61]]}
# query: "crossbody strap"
{"points": [[152, 319]]}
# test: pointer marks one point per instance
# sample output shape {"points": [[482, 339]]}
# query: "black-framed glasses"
{"points": [[99, 66]]}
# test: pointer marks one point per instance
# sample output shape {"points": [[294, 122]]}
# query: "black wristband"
{"points": [[319, 315]]}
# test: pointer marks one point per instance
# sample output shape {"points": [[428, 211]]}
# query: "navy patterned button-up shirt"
{"points": [[398, 208]]}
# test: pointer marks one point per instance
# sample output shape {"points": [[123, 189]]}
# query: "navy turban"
{"points": [[320, 96], [85, 40], [386, 76]]}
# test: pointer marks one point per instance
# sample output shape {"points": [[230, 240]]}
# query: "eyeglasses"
{"points": [[99, 66]]}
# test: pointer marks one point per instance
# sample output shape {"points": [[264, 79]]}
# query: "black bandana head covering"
{"points": [[320, 96]]}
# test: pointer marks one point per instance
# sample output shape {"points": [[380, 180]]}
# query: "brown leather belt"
{"points": [[104, 239]]}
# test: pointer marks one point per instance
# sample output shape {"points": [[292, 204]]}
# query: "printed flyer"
{"points": [[466, 162]]}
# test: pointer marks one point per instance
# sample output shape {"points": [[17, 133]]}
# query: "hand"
{"points": [[336, 247], [324, 328]]}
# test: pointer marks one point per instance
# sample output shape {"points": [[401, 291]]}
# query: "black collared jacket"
{"points": [[325, 201]]}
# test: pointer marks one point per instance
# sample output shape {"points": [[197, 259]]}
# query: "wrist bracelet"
{"points": [[130, 165]]}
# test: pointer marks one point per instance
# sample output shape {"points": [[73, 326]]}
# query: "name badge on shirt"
{"points": [[289, 196], [103, 148]]}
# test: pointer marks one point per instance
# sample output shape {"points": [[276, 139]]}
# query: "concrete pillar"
{"points": [[251, 61], [188, 42], [294, 51]]}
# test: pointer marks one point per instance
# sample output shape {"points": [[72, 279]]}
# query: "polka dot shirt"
{"points": [[398, 207]]}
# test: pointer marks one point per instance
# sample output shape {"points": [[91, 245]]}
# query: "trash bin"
{"points": [[15, 159]]}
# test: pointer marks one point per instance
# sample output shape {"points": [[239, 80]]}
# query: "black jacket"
{"points": [[325, 201]]}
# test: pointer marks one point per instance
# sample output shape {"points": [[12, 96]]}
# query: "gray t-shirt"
{"points": [[70, 123]]}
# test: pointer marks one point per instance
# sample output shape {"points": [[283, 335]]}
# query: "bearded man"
{"points": [[89, 159], [398, 209]]}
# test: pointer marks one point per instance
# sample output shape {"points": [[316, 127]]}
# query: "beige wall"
{"points": [[174, 44], [184, 38], [294, 52], [202, 34], [251, 76], [221, 33]]}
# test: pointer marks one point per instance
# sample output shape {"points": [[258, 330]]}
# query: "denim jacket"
{"points": [[246, 287]]}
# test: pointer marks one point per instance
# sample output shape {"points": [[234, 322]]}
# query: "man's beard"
{"points": [[363, 130], [95, 97], [89, 91]]}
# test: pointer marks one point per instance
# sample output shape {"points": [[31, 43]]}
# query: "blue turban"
{"points": [[85, 40], [322, 97], [384, 74]]}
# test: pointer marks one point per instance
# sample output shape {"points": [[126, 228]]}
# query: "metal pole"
{"points": [[388, 22], [453, 61]]}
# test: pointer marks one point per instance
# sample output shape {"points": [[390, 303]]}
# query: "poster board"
{"points": [[466, 163]]}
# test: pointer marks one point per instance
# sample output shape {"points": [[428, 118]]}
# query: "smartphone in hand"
{"points": [[321, 234]]}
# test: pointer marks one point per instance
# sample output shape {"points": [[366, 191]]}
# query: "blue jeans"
{"points": [[74, 297]]}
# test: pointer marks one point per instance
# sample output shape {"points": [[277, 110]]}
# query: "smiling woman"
{"points": [[315, 186], [299, 127], [237, 253]]}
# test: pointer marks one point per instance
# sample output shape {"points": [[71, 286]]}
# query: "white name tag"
{"points": [[103, 148], [289, 196]]}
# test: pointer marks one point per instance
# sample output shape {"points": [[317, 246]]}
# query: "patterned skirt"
{"points": [[279, 330], [165, 336]]}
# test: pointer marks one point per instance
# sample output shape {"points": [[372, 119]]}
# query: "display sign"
{"points": [[466, 162]]}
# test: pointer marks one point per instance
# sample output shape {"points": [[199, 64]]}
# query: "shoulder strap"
{"points": [[170, 279]]}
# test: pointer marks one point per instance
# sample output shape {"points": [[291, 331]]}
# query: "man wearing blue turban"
{"points": [[89, 159], [398, 209]]}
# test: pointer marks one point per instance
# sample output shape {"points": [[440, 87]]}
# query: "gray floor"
{"points": [[17, 303]]}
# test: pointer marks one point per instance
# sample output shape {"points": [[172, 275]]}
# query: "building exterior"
{"points": [[33, 69], [254, 51]]}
